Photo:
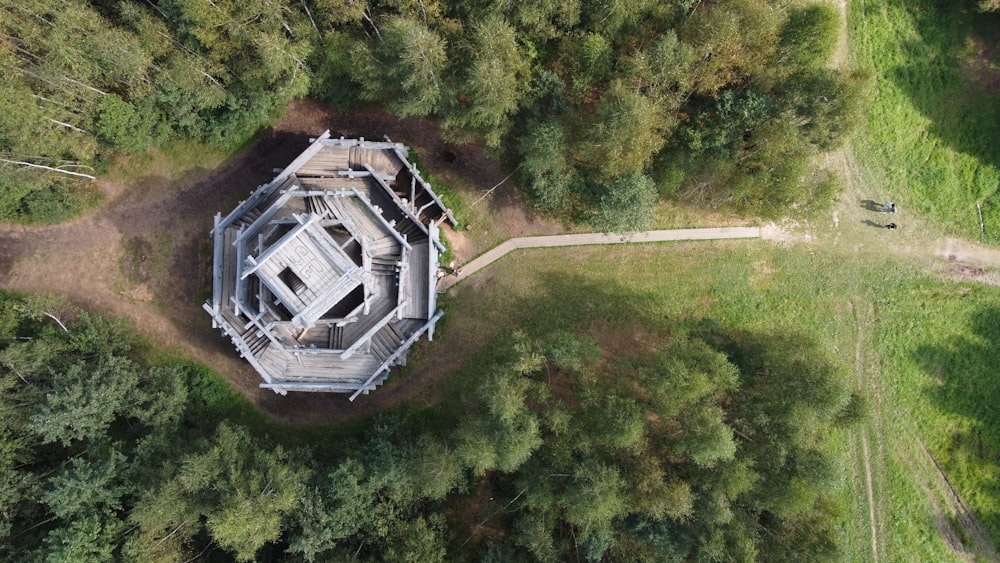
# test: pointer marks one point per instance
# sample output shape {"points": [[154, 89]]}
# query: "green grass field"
{"points": [[872, 313], [931, 142], [932, 137]]}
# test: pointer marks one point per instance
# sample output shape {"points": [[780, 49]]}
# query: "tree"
{"points": [[625, 135], [545, 19], [437, 467], [85, 400], [616, 17], [417, 540], [88, 487], [628, 204], [664, 71], [403, 67], [734, 40], [335, 508], [505, 432], [809, 36], [121, 125], [495, 83], [827, 103], [90, 537], [242, 493], [549, 175]]}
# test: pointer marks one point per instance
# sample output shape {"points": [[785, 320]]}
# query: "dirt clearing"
{"points": [[146, 253]]}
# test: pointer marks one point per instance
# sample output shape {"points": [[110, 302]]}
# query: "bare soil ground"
{"points": [[146, 254]]}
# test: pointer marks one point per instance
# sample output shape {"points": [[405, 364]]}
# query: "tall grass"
{"points": [[932, 137]]}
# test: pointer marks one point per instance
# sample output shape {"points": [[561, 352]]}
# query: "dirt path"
{"points": [[145, 255], [855, 225]]}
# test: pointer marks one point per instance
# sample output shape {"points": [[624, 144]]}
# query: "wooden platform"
{"points": [[324, 277]]}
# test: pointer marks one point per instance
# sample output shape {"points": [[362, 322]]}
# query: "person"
{"points": [[891, 226], [889, 207]]}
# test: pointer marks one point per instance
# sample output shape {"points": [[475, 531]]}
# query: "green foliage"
{"points": [[547, 172], [241, 492], [85, 400], [585, 91], [828, 104], [809, 35], [46, 203], [495, 81], [506, 433], [333, 70], [417, 541], [80, 80], [402, 68], [89, 487], [121, 125], [627, 205], [627, 131]]}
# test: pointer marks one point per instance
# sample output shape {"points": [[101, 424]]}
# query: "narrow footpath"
{"points": [[510, 245]]}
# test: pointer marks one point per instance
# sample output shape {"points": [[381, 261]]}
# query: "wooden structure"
{"points": [[325, 276]]}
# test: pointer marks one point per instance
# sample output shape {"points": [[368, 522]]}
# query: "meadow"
{"points": [[931, 140], [902, 335]]}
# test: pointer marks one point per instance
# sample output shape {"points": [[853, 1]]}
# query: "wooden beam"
{"points": [[241, 345], [347, 353], [276, 247], [217, 247], [381, 219], [264, 217], [402, 349], [432, 267], [416, 174], [399, 203]]}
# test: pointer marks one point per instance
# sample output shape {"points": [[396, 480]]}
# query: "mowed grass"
{"points": [[932, 137], [895, 329]]}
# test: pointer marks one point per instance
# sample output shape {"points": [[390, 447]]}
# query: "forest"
{"points": [[603, 107], [714, 446]]}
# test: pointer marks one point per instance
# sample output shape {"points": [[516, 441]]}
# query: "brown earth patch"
{"points": [[145, 254]]}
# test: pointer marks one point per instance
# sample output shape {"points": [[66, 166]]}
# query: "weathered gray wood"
{"points": [[349, 351], [217, 243], [297, 350], [405, 208], [241, 346], [402, 348], [381, 219]]}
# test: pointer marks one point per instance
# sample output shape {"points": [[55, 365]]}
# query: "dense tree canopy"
{"points": [[689, 451], [691, 94]]}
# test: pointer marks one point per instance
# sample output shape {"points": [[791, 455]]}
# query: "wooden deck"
{"points": [[416, 282], [383, 161], [329, 161], [323, 278]]}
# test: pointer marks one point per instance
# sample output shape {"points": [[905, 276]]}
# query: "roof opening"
{"points": [[293, 282], [347, 304]]}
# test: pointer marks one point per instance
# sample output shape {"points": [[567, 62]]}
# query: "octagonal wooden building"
{"points": [[325, 277]]}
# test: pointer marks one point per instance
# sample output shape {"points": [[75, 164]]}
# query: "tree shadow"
{"points": [[958, 93], [967, 385], [174, 216]]}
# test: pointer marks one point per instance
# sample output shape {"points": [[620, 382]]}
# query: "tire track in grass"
{"points": [[859, 370]]}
